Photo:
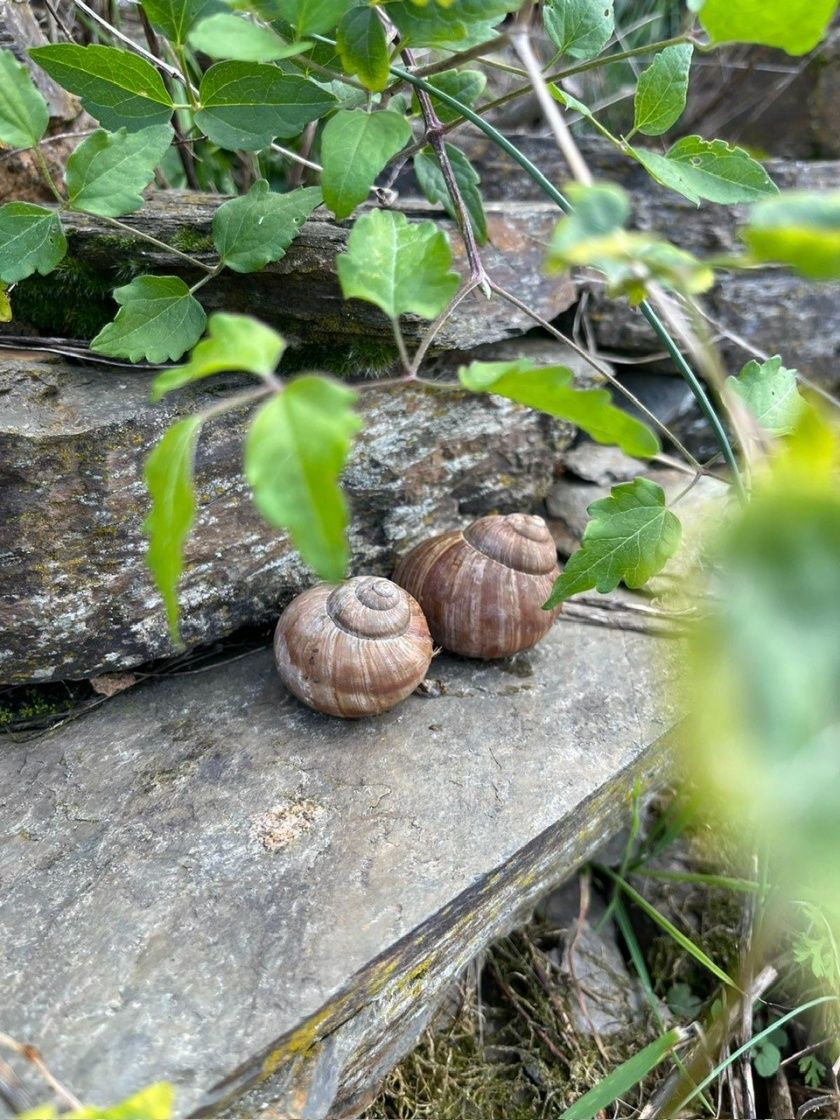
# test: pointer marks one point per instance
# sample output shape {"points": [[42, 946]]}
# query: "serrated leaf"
{"points": [[311, 17], [258, 227], [355, 146], [363, 49], [117, 87], [294, 453], [233, 343], [31, 240], [225, 35], [579, 28], [158, 320], [169, 480], [175, 18], [248, 104], [661, 90], [709, 169], [459, 23], [630, 538], [398, 265], [23, 111], [108, 171], [770, 393], [794, 25], [551, 390], [5, 305], [433, 185], [464, 85], [799, 229]]}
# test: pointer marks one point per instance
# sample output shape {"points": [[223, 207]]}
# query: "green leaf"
{"points": [[579, 28], [31, 240], [551, 390], [661, 90], [799, 229], [570, 102], [108, 171], [311, 17], [682, 1001], [766, 1058], [246, 104], [158, 320], [709, 169], [152, 1103], [5, 305], [458, 23], [225, 35], [794, 25], [175, 18], [294, 453], [400, 266], [233, 342], [23, 111], [363, 49], [169, 480], [620, 1080], [258, 227], [355, 146], [770, 393], [117, 87], [599, 209], [630, 538], [464, 85], [433, 185]]}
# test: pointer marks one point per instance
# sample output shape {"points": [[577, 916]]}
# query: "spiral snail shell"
{"points": [[352, 649], [482, 589]]}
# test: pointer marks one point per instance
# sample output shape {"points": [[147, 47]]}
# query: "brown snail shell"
{"points": [[352, 649], [482, 589]]}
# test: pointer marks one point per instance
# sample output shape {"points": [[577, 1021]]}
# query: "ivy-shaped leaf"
{"points": [[169, 480], [31, 240], [363, 49], [551, 389], [433, 185], [174, 18], [579, 28], [630, 538], [311, 17], [23, 111], [465, 86], [794, 25], [294, 453], [258, 227], [248, 104], [355, 146], [158, 320], [233, 343], [108, 171], [709, 169], [398, 265], [117, 87], [770, 393], [800, 229], [226, 35], [661, 90]]}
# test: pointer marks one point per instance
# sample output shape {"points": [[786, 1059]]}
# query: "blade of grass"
{"points": [[725, 882]]}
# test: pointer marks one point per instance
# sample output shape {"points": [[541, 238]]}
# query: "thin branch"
{"points": [[172, 71], [33, 1056], [430, 335], [463, 56], [194, 261]]}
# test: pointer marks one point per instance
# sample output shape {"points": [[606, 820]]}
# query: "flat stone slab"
{"points": [[206, 883]]}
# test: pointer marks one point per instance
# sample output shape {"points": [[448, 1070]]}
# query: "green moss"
{"points": [[74, 301], [32, 706], [190, 240], [357, 360]]}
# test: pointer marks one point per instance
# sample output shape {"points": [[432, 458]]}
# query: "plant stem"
{"points": [[430, 335], [403, 352], [46, 176], [463, 56], [158, 244]]}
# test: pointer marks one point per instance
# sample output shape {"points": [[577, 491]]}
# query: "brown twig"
{"points": [[32, 1055]]}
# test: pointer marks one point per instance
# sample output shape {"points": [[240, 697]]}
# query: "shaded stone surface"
{"points": [[75, 596], [207, 883]]}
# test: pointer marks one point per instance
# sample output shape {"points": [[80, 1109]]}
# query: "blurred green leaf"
{"points": [[398, 265], [770, 393], [31, 240], [551, 390], [630, 537], [294, 453], [259, 226], [5, 305], [458, 23], [433, 185], [800, 229], [311, 17], [620, 1080], [794, 25], [174, 18], [355, 146], [579, 28], [158, 320], [766, 1058], [117, 87], [682, 1002], [107, 172], [709, 169], [225, 35], [465, 86], [23, 111], [361, 43], [661, 90], [233, 342]]}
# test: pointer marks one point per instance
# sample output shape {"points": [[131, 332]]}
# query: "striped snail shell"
{"points": [[352, 649], [482, 589]]}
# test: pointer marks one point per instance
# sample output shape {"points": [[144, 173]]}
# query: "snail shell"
{"points": [[482, 589], [352, 649]]}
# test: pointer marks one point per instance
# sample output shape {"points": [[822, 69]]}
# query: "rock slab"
{"points": [[206, 883]]}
